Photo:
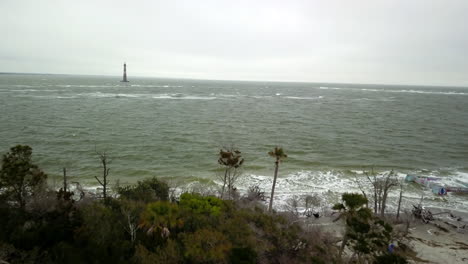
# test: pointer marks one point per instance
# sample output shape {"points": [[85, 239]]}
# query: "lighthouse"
{"points": [[125, 73]]}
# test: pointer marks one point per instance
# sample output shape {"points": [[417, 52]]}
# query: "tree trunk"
{"points": [[274, 184], [65, 179], [105, 173], [375, 199], [224, 183], [399, 203], [384, 203], [104, 190]]}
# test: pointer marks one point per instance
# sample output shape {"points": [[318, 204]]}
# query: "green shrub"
{"points": [[148, 190]]}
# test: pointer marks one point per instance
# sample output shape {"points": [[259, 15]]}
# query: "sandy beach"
{"points": [[443, 240]]}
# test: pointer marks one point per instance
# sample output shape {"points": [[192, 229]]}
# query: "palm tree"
{"points": [[278, 154]]}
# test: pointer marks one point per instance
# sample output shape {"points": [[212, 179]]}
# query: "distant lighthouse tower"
{"points": [[125, 73]]}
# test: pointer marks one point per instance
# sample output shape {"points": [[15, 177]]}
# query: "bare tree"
{"points": [[130, 211], [377, 189], [292, 205], [232, 161], [389, 182], [105, 173], [381, 187], [361, 188], [254, 193], [311, 202]]}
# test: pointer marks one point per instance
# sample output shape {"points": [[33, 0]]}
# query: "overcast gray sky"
{"points": [[362, 41]]}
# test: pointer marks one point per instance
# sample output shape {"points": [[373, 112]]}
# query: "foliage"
{"points": [[161, 214], [197, 204], [367, 235], [19, 177], [254, 193], [390, 259], [100, 238], [206, 246], [278, 153], [148, 190], [231, 159], [142, 226]]}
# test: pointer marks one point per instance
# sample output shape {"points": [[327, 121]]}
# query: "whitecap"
{"points": [[304, 98], [415, 91], [179, 96]]}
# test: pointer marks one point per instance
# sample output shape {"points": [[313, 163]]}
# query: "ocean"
{"points": [[174, 128]]}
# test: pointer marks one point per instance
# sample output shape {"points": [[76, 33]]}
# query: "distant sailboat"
{"points": [[125, 73]]}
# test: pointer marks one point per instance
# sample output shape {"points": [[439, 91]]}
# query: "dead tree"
{"points": [[105, 173], [232, 161], [80, 189], [382, 186], [311, 202], [361, 188], [130, 212], [377, 189], [389, 182], [399, 201]]}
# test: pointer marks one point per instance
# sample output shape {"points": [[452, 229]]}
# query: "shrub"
{"points": [[148, 190]]}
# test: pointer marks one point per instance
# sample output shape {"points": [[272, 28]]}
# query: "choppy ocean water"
{"points": [[173, 129]]}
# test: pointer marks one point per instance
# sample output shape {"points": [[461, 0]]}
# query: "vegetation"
{"points": [[148, 190], [105, 172], [141, 225], [367, 236], [19, 177], [279, 155], [231, 159], [381, 188]]}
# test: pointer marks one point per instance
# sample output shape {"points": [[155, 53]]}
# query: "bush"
{"points": [[149, 190]]}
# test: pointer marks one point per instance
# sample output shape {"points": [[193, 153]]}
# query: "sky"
{"points": [[359, 41]]}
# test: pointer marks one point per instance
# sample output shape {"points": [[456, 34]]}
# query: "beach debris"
{"points": [[423, 214], [436, 184]]}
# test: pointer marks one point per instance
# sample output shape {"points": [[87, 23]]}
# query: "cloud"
{"points": [[413, 42]]}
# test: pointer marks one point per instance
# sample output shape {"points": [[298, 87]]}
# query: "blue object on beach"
{"points": [[442, 191], [391, 248]]}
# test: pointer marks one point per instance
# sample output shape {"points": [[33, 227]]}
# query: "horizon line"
{"points": [[232, 80]]}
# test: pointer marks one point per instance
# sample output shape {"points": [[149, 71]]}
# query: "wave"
{"points": [[25, 90], [113, 85], [49, 96], [414, 91], [304, 98], [178, 96], [331, 184], [329, 88], [430, 92], [175, 96], [390, 99], [35, 90]]}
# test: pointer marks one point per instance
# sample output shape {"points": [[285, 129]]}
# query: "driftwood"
{"points": [[423, 214]]}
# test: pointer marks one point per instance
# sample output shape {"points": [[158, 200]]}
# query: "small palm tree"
{"points": [[278, 154]]}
